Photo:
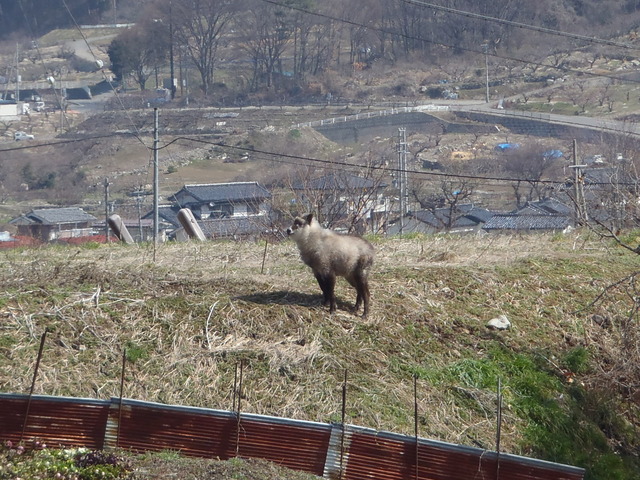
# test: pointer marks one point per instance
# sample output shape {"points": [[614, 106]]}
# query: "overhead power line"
{"points": [[104, 75], [333, 163], [296, 159]]}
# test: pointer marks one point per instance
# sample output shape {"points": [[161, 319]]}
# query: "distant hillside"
{"points": [[600, 18], [35, 18], [371, 71]]}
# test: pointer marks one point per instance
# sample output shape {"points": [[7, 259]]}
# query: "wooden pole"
{"points": [[33, 384], [155, 182], [106, 210], [415, 421], [264, 255], [498, 427]]}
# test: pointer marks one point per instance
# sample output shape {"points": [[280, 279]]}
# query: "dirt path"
{"points": [[90, 48]]}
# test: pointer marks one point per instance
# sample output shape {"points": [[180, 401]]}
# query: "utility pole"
{"points": [[139, 205], [173, 86], [186, 78], [106, 210], [578, 188], [180, 71], [17, 73], [155, 178], [485, 48], [402, 175]]}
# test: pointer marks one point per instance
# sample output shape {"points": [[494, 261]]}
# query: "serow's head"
{"points": [[299, 225]]}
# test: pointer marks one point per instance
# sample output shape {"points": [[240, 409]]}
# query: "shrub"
{"points": [[37, 461]]}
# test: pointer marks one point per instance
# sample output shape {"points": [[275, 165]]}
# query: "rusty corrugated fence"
{"points": [[333, 451]]}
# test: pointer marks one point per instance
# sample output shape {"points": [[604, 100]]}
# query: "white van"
{"points": [[22, 136]]}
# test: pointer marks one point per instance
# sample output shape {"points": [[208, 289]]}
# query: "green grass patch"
{"points": [[558, 416], [136, 352]]}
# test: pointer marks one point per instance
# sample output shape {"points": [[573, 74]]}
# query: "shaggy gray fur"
{"points": [[330, 254]]}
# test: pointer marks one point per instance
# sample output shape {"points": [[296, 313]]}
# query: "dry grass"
{"points": [[191, 316]]}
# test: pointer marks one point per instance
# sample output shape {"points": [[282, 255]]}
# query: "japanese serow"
{"points": [[331, 255]]}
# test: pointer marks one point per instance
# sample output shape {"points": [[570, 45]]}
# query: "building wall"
{"points": [[8, 110]]}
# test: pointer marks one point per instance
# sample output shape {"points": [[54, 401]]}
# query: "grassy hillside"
{"points": [[568, 365]]}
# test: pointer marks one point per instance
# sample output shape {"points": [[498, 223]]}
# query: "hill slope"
{"points": [[188, 319]]}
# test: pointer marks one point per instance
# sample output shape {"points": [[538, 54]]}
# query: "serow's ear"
{"points": [[309, 218]]}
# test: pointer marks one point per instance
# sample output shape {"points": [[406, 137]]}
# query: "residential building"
{"points": [[222, 210], [49, 224], [220, 200], [543, 215], [342, 200], [465, 218]]}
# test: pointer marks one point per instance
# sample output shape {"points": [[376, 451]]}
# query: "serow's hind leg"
{"points": [[366, 295], [361, 284]]}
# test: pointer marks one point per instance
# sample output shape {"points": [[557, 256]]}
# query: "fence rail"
{"points": [[380, 113], [334, 451]]}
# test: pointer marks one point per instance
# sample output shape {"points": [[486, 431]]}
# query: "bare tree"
{"points": [[445, 202], [199, 26], [266, 30], [603, 93], [5, 126], [353, 202], [558, 57], [612, 213], [529, 166], [609, 195], [140, 51], [311, 39]]}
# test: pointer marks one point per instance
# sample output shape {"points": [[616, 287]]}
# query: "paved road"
{"points": [[601, 124]]}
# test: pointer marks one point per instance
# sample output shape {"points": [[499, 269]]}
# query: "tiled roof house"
{"points": [[340, 196], [217, 200], [48, 224], [466, 218], [235, 209], [543, 215], [526, 222]]}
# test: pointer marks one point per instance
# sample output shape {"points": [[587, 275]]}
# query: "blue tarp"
{"points": [[502, 147]]}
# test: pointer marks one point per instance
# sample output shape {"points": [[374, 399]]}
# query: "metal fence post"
{"points": [[124, 363], [344, 408]]}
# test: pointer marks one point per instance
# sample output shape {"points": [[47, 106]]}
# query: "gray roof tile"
{"points": [[55, 216], [219, 192], [338, 182], [467, 215], [512, 221]]}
